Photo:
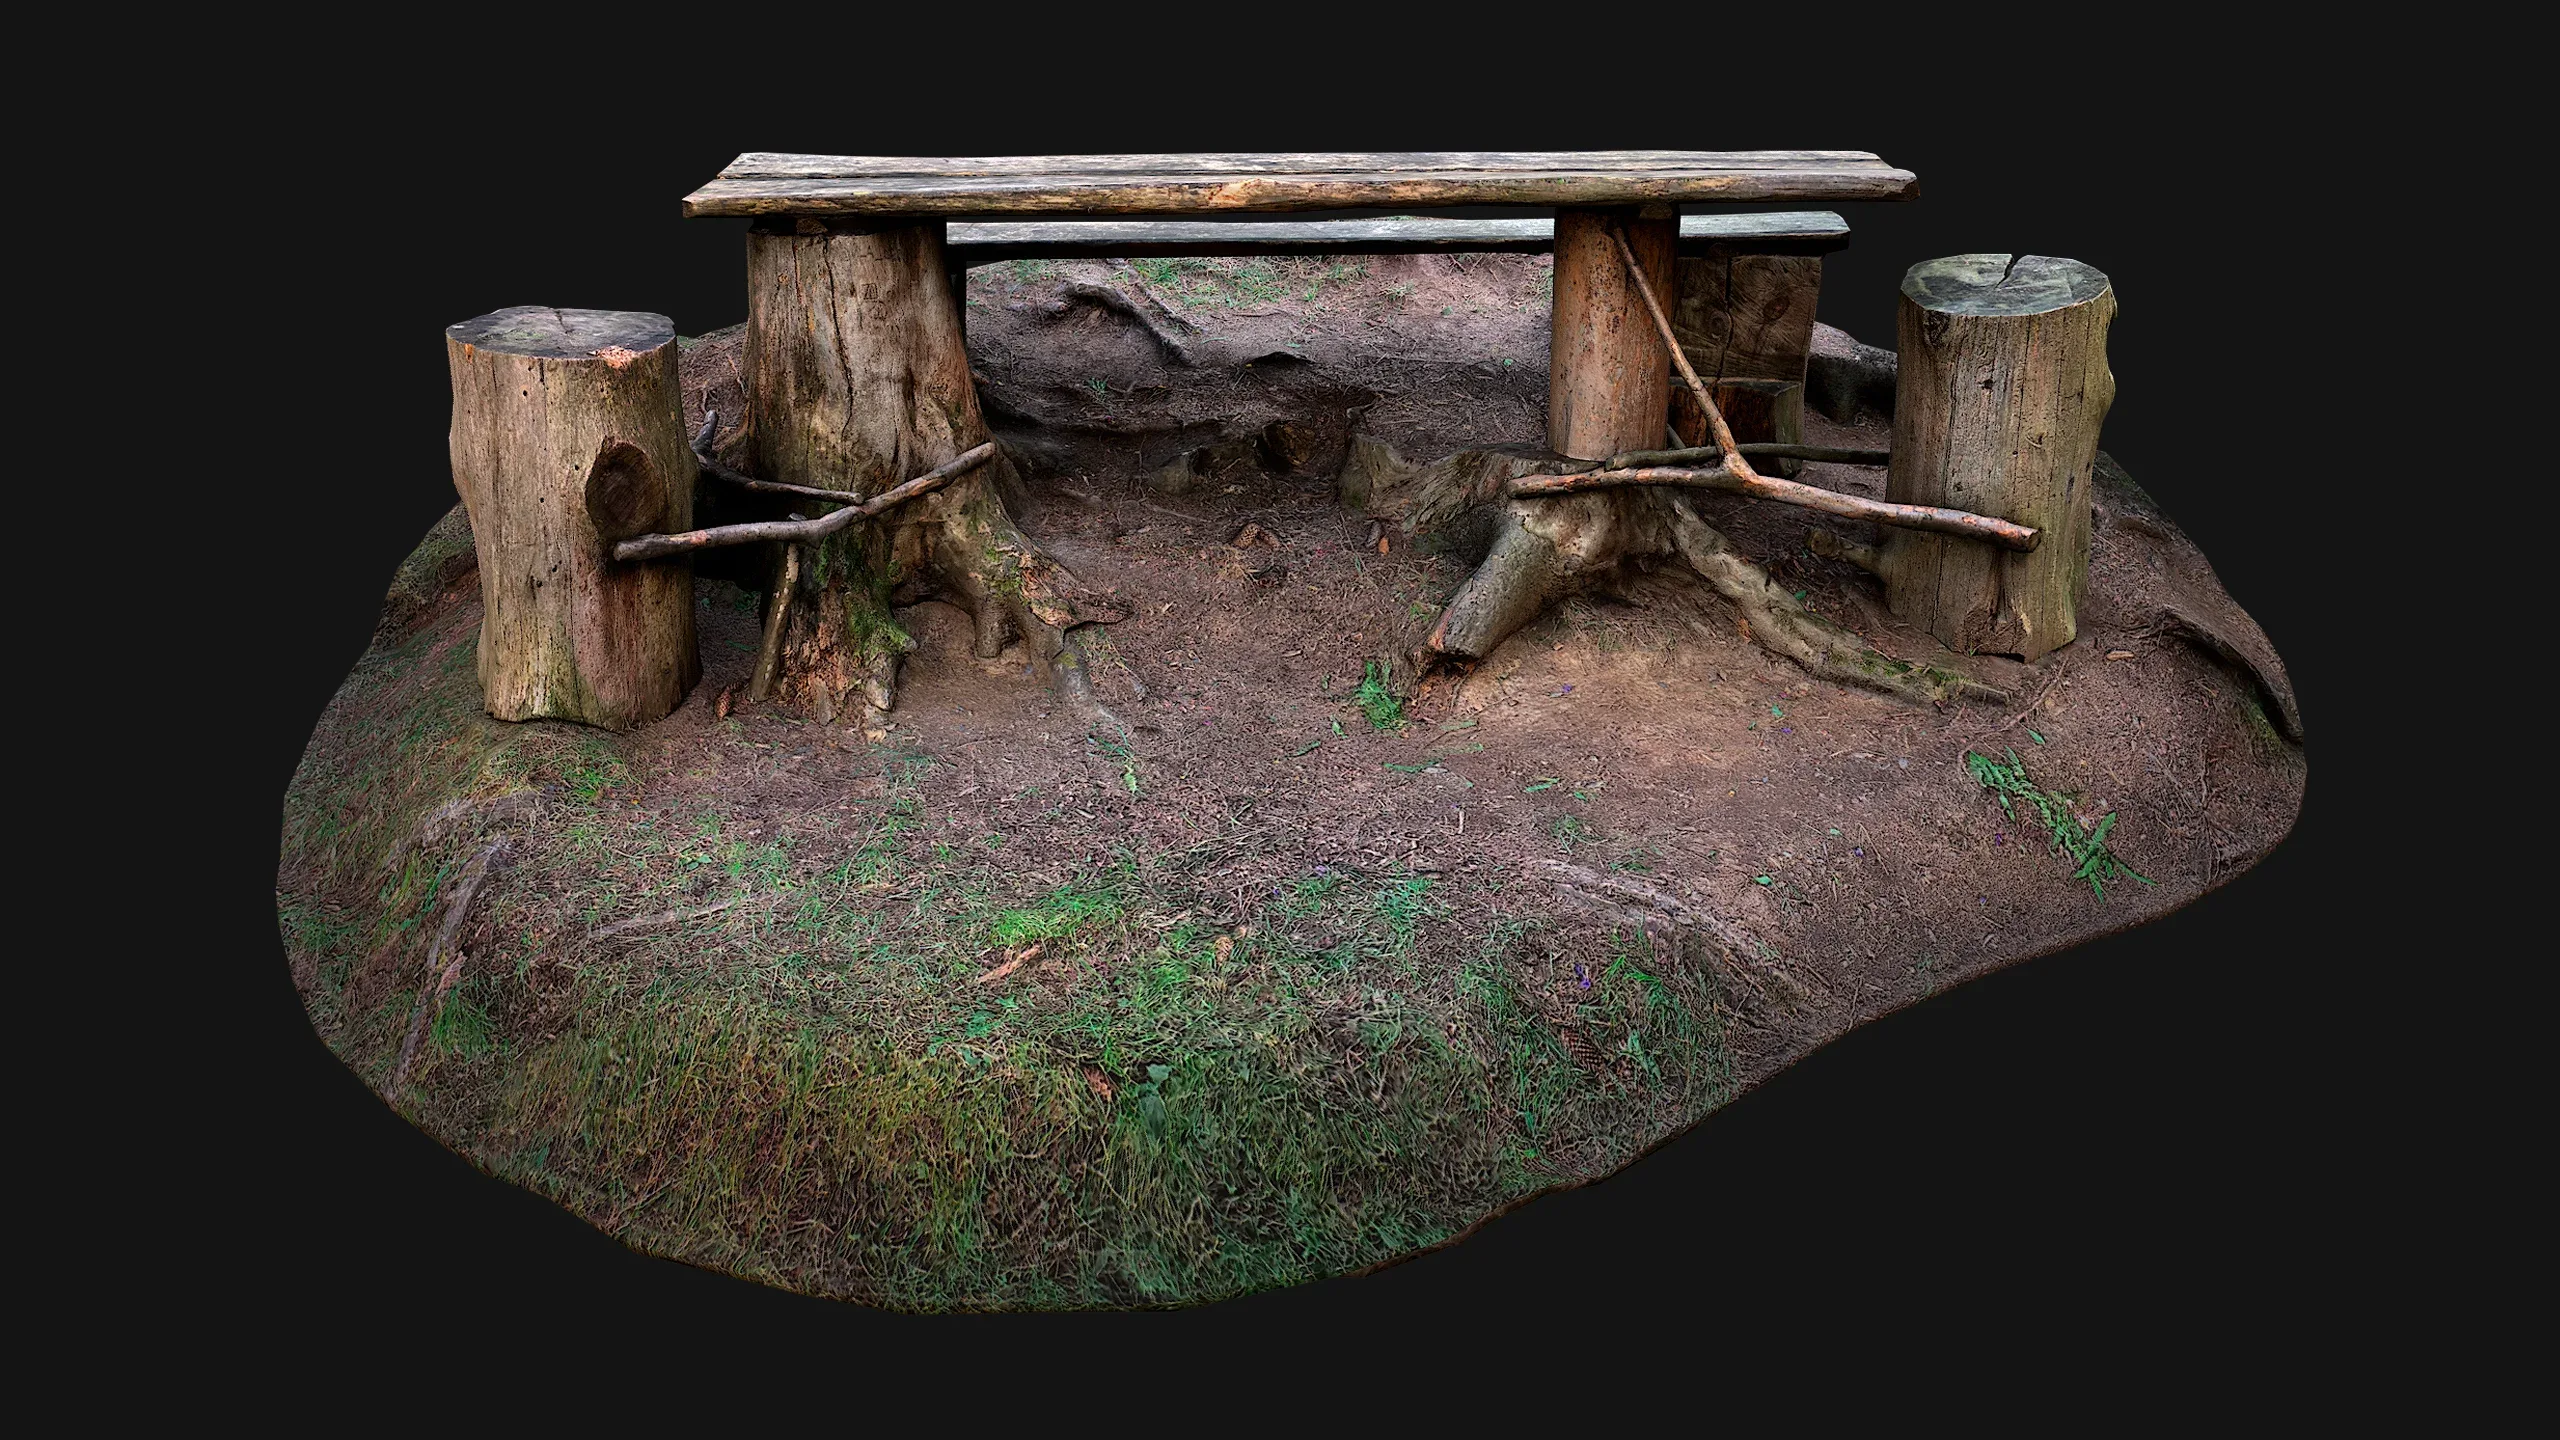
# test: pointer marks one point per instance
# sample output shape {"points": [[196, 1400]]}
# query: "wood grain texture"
{"points": [[981, 243], [567, 426], [1747, 316], [770, 184], [2002, 385], [1608, 374]]}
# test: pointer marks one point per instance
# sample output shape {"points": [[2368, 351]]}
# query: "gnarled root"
{"points": [[842, 644], [1777, 621], [1543, 549]]}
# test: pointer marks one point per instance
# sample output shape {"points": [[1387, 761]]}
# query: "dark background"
{"points": [[2075, 1141]]}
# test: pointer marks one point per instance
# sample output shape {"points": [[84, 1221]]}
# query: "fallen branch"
{"points": [[431, 999], [1764, 449], [1736, 477], [741, 479], [652, 922], [650, 547], [769, 659]]}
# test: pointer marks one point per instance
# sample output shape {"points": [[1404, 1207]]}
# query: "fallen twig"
{"points": [[1007, 968], [1765, 449], [1735, 477], [650, 547], [431, 998], [664, 918]]}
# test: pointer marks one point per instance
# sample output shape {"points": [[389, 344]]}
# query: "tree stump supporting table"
{"points": [[857, 379], [568, 435]]}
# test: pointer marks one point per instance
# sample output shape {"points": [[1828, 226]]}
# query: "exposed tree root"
{"points": [[1172, 334], [1541, 549], [422, 1016], [1776, 620]]}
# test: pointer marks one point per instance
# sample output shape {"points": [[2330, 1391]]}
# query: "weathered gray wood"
{"points": [[1795, 233], [1608, 377], [2001, 386], [568, 435], [1845, 374], [770, 184]]}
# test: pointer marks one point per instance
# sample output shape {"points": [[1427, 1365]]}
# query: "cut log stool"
{"points": [[2003, 383], [568, 435]]}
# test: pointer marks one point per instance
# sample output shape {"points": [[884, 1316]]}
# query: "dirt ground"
{"points": [[1447, 951]]}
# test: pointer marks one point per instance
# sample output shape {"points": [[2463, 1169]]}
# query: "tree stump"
{"points": [[857, 379], [2002, 385], [568, 435]]}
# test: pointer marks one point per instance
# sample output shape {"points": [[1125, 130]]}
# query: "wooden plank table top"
{"points": [[758, 183], [1802, 232]]}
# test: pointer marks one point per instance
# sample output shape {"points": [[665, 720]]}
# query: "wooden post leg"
{"points": [[1608, 378]]}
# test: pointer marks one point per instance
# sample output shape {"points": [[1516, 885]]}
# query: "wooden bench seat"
{"points": [[760, 183], [980, 243]]}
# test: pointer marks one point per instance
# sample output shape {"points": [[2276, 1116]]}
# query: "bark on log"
{"points": [[2002, 384], [567, 437], [1608, 379], [857, 379]]}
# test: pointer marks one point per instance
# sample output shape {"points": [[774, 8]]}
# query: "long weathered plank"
{"points": [[768, 184], [977, 243]]}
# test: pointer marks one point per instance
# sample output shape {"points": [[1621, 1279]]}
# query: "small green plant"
{"points": [[2053, 810], [1376, 701], [1569, 831], [1128, 761], [593, 772], [1063, 912]]}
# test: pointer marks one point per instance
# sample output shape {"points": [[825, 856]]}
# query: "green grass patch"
{"points": [[2054, 810], [1062, 912], [1384, 709]]}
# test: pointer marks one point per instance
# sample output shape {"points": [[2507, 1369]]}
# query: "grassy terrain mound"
{"points": [[864, 1062]]}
